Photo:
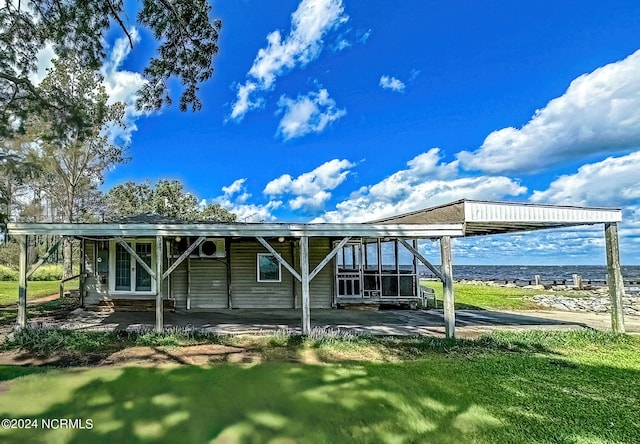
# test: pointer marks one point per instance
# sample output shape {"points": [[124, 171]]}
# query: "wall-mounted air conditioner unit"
{"points": [[212, 247]]}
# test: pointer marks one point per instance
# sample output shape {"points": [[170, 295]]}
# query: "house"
{"points": [[200, 266]]}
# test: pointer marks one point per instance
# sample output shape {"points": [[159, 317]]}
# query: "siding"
{"points": [[246, 291], [208, 284], [321, 287]]}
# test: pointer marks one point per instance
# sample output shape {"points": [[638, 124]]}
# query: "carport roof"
{"points": [[486, 217], [460, 218]]}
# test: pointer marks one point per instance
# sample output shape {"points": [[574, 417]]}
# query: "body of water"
{"points": [[548, 273]]}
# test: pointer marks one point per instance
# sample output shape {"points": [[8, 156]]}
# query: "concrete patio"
{"points": [[384, 322]]}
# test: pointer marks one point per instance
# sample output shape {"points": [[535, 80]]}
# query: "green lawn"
{"points": [[35, 289], [469, 296], [573, 387]]}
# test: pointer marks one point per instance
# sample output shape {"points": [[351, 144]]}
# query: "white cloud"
{"points": [[426, 182], [309, 24], [365, 36], [234, 199], [235, 187], [123, 86], [311, 189], [306, 114], [44, 61], [391, 83], [611, 182], [599, 113]]}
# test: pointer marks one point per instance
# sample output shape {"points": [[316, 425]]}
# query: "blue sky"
{"points": [[339, 110]]}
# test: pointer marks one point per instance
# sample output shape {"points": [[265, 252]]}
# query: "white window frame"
{"points": [[258, 268], [112, 267]]}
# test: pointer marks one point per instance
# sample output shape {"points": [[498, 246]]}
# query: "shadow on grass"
{"points": [[490, 398]]}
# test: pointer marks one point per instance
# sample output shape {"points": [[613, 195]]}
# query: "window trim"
{"points": [[259, 255], [112, 267]]}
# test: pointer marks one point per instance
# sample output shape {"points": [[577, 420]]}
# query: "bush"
{"points": [[7, 274], [47, 273]]}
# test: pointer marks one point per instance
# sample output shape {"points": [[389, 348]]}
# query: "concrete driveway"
{"points": [[469, 323]]}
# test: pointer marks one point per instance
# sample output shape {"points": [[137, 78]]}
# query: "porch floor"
{"points": [[469, 323]]}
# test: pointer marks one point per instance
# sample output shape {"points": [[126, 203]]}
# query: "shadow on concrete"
{"points": [[383, 322]]}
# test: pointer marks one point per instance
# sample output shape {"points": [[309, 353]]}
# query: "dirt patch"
{"points": [[190, 355]]}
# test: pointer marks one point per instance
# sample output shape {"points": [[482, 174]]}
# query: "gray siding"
{"points": [[208, 284], [246, 291]]}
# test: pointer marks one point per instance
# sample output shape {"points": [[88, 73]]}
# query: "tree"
{"points": [[167, 198], [74, 150], [18, 166], [186, 34]]}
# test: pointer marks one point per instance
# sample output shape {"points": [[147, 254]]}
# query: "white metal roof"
{"points": [[240, 230], [460, 218], [485, 217]]}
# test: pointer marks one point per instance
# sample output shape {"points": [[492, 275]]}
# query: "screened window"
{"points": [[268, 268]]}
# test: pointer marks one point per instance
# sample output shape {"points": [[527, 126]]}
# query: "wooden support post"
{"points": [[22, 281], [614, 276], [447, 286], [304, 274], [158, 279]]}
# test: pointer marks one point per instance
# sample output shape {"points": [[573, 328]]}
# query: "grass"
{"points": [[470, 296], [35, 289], [578, 387]]}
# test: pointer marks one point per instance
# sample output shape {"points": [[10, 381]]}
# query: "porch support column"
{"points": [[158, 279], [447, 287], [22, 282], [304, 275], [616, 286]]}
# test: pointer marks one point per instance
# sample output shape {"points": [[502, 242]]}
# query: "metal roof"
{"points": [[239, 230], [486, 217], [460, 218]]}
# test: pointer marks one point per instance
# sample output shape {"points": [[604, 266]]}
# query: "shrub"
{"points": [[7, 274], [47, 273]]}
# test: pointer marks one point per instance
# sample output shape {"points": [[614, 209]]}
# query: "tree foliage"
{"points": [[186, 33], [167, 198], [75, 152]]}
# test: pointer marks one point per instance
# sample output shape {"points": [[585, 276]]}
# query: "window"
{"points": [[126, 274], [268, 268]]}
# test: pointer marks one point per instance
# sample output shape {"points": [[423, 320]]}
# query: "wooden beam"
{"points": [[329, 256], [616, 285], [133, 254], [158, 277], [422, 259], [41, 261], [280, 259], [304, 271], [447, 287], [22, 281], [183, 256]]}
